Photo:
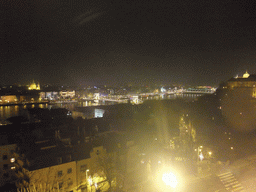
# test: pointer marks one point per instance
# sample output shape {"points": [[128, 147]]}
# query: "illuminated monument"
{"points": [[34, 86], [246, 83], [246, 75], [238, 101]]}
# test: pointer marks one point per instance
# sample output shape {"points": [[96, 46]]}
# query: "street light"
{"points": [[199, 153], [90, 182], [87, 173], [170, 179], [199, 157]]}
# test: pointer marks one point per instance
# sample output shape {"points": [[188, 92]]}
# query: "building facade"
{"points": [[237, 98], [59, 178]]}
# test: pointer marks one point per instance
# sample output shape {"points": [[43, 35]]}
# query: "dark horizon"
{"points": [[119, 42]]}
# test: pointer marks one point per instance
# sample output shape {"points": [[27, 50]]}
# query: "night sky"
{"points": [[197, 42]]}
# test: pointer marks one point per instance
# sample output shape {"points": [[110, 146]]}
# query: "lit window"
{"points": [[12, 167], [12, 160]]}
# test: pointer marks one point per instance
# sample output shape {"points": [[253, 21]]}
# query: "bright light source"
{"points": [[90, 180], [210, 153], [231, 148], [170, 179], [12, 160], [201, 157], [167, 179]]}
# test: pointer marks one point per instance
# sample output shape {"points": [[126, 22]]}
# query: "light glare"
{"points": [[170, 179]]}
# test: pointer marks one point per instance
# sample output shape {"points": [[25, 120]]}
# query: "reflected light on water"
{"points": [[9, 111]]}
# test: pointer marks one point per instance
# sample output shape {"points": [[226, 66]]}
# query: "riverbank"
{"points": [[24, 103]]}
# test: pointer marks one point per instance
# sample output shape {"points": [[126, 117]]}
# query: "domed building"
{"points": [[246, 75], [246, 81], [237, 98], [34, 86]]}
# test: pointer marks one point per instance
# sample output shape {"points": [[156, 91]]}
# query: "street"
{"points": [[240, 176]]}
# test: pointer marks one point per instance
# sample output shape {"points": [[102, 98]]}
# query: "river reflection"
{"points": [[17, 110], [9, 111]]}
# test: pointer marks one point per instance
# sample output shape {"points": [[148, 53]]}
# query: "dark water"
{"points": [[17, 110], [9, 111], [188, 97]]}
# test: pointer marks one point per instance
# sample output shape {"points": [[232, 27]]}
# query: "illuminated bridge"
{"points": [[202, 90]]}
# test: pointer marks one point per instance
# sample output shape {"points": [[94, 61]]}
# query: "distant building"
{"points": [[13, 99], [99, 113], [246, 80], [34, 86], [67, 94], [50, 95], [237, 98], [88, 113], [245, 84], [8, 99]]}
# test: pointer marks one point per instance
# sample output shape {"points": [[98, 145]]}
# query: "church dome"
{"points": [[34, 86], [246, 75]]}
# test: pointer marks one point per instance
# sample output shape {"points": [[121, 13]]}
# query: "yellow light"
{"points": [[90, 180], [167, 179], [231, 148], [201, 157], [170, 179], [210, 153], [12, 160]]}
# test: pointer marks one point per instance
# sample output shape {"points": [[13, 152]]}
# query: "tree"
{"points": [[105, 172], [48, 179]]}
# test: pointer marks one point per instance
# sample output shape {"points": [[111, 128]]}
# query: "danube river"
{"points": [[21, 110]]}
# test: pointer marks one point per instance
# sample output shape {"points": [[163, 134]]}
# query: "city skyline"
{"points": [[103, 42]]}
